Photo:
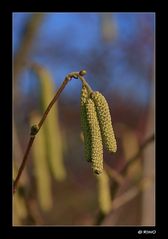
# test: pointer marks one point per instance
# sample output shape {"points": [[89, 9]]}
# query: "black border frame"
{"points": [[6, 176]]}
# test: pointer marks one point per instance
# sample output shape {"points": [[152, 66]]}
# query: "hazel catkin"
{"points": [[96, 140], [104, 194], [84, 124], [105, 122]]}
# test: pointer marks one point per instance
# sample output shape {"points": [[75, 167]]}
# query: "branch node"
{"points": [[36, 127], [34, 130], [82, 72]]}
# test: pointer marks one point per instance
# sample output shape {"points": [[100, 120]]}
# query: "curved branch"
{"points": [[139, 153], [35, 128]]}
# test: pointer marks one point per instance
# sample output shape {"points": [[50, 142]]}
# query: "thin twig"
{"points": [[131, 193], [118, 177], [139, 153], [53, 101], [114, 174], [37, 128], [23, 163], [127, 197]]}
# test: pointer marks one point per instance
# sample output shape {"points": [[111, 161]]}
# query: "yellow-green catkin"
{"points": [[105, 122], [54, 139], [41, 169], [84, 124], [104, 194], [19, 206], [96, 140], [19, 209]]}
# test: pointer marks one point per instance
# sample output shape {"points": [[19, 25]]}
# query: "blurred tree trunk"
{"points": [[148, 196]]}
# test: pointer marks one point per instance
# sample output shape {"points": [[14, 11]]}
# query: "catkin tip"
{"points": [[97, 172]]}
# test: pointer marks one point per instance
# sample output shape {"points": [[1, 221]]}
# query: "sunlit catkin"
{"points": [[105, 122], [84, 124], [96, 140], [53, 135], [41, 170], [104, 194]]}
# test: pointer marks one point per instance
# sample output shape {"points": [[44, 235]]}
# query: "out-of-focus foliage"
{"points": [[53, 137], [40, 167]]}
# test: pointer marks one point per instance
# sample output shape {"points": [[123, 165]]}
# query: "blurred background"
{"points": [[57, 186]]}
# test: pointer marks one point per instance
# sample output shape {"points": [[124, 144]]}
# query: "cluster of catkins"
{"points": [[97, 128]]}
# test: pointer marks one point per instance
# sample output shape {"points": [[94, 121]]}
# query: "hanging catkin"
{"points": [[105, 122], [104, 194], [84, 124], [96, 140]]}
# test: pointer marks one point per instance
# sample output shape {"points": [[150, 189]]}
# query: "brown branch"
{"points": [[139, 153], [126, 197], [35, 128], [131, 193], [23, 163], [118, 177], [114, 174], [53, 101]]}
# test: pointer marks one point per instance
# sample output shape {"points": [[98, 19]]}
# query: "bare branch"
{"points": [[35, 128], [114, 174], [126, 197], [139, 153]]}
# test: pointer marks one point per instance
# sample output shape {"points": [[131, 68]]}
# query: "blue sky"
{"points": [[81, 33]]}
